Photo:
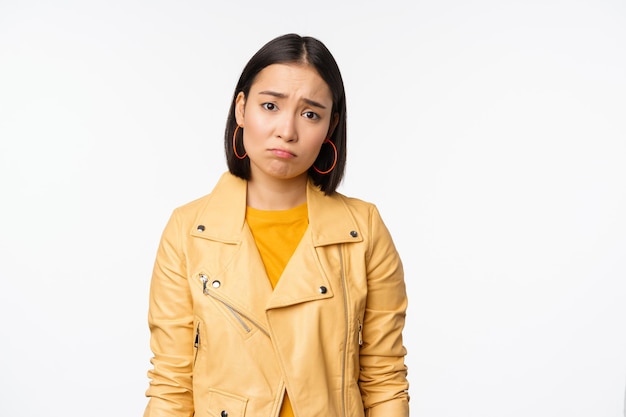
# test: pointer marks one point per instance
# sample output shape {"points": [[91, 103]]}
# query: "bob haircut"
{"points": [[293, 48]]}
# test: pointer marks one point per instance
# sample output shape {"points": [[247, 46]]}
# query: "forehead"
{"points": [[292, 79]]}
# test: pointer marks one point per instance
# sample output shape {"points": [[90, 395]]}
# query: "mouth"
{"points": [[282, 153]]}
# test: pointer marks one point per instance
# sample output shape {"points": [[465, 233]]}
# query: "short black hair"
{"points": [[293, 48]]}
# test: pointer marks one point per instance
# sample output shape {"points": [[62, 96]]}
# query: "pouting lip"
{"points": [[280, 150]]}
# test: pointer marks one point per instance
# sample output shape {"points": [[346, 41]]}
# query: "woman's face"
{"points": [[286, 117]]}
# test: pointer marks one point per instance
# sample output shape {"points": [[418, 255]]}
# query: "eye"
{"points": [[311, 115], [269, 106]]}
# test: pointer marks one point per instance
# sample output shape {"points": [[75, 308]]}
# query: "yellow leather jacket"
{"points": [[330, 333]]}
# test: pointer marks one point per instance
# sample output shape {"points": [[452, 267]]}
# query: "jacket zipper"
{"points": [[345, 343], [205, 279], [360, 332], [196, 343], [238, 318]]}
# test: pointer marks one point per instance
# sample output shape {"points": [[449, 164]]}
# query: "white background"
{"points": [[491, 135]]}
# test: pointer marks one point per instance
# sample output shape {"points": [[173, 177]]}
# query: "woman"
{"points": [[275, 295]]}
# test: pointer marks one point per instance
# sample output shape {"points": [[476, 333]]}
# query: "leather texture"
{"points": [[330, 333]]}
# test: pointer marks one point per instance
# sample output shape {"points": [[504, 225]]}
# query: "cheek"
{"points": [[314, 132], [254, 127], [315, 145], [320, 134]]}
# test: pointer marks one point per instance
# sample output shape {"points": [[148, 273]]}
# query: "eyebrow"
{"points": [[281, 95]]}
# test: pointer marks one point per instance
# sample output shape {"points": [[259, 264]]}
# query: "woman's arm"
{"points": [[383, 381], [170, 319]]}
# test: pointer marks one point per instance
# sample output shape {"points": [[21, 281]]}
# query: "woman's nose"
{"points": [[286, 129]]}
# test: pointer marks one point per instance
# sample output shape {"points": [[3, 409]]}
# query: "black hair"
{"points": [[293, 48]]}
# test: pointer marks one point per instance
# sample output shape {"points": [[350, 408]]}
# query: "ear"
{"points": [[240, 107], [333, 125]]}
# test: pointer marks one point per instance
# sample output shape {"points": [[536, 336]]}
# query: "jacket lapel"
{"points": [[307, 276], [243, 282], [304, 278], [236, 264]]}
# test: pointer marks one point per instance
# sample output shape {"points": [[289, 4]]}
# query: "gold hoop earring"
{"points": [[235, 145], [334, 161]]}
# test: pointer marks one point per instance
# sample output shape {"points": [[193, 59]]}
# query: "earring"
{"points": [[235, 145], [334, 161]]}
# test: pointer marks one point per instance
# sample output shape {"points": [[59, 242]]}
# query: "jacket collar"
{"points": [[330, 220]]}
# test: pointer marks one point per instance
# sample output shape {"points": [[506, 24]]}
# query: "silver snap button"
{"points": [[216, 284], [200, 228], [354, 233], [323, 290]]}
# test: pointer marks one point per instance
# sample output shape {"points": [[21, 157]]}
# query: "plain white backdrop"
{"points": [[491, 135]]}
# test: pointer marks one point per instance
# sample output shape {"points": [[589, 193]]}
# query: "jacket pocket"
{"points": [[224, 404]]}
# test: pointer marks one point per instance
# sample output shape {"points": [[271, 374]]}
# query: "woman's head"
{"points": [[294, 49]]}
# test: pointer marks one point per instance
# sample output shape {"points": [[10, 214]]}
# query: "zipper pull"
{"points": [[197, 340], [204, 280], [360, 333]]}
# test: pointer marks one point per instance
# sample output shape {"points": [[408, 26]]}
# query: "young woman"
{"points": [[275, 295]]}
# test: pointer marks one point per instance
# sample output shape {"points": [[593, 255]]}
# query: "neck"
{"points": [[277, 194]]}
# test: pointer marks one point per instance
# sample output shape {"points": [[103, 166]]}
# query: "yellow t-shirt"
{"points": [[277, 233]]}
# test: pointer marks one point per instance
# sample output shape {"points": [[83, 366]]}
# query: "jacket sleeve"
{"points": [[383, 382], [170, 318]]}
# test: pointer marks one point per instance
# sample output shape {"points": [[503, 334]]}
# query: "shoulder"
{"points": [[337, 202], [338, 207], [228, 192], [359, 207], [367, 215], [354, 202], [192, 208]]}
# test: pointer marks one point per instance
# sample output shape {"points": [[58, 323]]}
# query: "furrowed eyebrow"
{"points": [[273, 94], [306, 100], [314, 103]]}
